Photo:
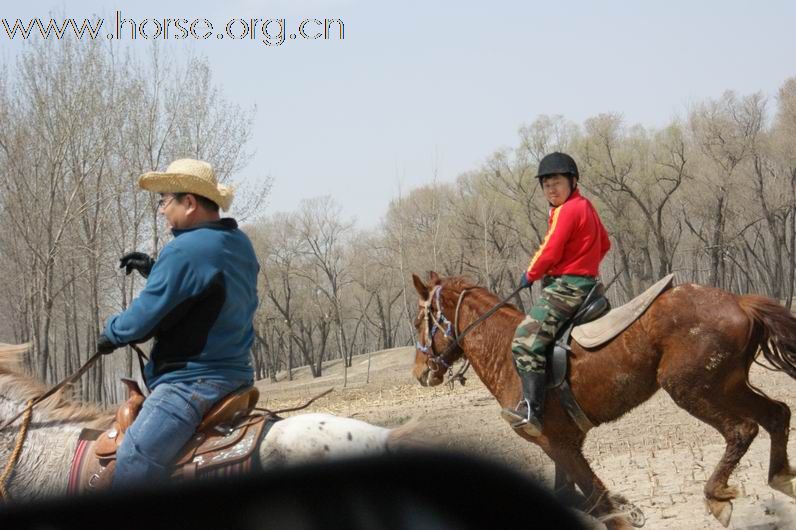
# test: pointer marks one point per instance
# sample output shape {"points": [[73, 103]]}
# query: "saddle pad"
{"points": [[85, 465], [605, 328]]}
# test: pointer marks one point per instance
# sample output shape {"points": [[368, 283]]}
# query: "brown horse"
{"points": [[697, 343]]}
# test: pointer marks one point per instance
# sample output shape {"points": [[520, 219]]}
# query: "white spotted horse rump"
{"points": [[320, 436]]}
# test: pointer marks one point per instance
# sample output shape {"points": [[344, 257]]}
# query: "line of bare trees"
{"points": [[711, 197], [78, 125]]}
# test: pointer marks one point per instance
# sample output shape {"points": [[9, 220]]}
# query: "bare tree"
{"points": [[72, 149], [725, 132], [324, 238]]}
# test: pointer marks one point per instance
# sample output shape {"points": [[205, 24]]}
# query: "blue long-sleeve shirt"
{"points": [[198, 304]]}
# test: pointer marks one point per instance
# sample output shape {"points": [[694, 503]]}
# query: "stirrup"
{"points": [[528, 424]]}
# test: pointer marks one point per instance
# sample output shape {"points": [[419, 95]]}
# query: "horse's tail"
{"points": [[778, 328], [405, 436]]}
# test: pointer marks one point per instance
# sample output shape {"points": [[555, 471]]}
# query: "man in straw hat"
{"points": [[198, 304]]}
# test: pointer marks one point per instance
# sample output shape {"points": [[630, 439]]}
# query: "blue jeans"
{"points": [[166, 422]]}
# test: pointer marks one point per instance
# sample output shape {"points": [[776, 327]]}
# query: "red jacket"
{"points": [[576, 241]]}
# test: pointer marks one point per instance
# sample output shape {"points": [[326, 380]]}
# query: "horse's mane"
{"points": [[482, 294], [19, 386]]}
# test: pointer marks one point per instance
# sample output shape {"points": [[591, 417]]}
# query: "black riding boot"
{"points": [[528, 414]]}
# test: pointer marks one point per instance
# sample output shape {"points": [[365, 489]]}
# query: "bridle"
{"points": [[438, 321]]}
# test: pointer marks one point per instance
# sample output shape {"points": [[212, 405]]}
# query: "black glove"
{"points": [[137, 260], [525, 283], [104, 345]]}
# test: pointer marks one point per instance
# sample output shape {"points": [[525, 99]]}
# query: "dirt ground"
{"points": [[658, 456]]}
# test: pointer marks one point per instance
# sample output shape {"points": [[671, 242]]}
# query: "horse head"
{"points": [[435, 331]]}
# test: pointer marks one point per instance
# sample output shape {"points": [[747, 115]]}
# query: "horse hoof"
{"points": [[721, 510], [633, 514], [786, 483]]}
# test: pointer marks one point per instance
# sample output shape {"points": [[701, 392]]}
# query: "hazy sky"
{"points": [[416, 86]]}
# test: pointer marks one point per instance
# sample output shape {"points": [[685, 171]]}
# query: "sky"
{"points": [[418, 91]]}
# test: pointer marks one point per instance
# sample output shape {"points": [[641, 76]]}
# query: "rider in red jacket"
{"points": [[568, 262], [575, 244]]}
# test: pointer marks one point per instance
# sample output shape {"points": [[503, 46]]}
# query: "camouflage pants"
{"points": [[561, 298]]}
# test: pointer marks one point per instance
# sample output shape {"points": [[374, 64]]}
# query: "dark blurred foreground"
{"points": [[413, 490]]}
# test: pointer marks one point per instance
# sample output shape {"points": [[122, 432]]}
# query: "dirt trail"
{"points": [[658, 456]]}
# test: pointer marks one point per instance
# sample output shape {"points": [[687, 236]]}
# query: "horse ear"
{"points": [[433, 278], [420, 287]]}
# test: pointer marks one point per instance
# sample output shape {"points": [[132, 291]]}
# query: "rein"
{"points": [[276, 413], [436, 360]]}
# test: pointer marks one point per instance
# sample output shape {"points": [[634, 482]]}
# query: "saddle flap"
{"points": [[212, 454], [559, 361], [617, 320], [230, 408], [208, 441]]}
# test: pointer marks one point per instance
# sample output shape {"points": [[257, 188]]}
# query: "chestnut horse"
{"points": [[697, 343]]}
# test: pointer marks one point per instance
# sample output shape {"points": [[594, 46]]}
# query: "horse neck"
{"points": [[488, 345], [49, 446]]}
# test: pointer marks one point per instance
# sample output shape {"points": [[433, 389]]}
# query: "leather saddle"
{"points": [[593, 307], [224, 443]]}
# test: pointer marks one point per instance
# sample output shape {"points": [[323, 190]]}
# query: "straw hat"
{"points": [[188, 176]]}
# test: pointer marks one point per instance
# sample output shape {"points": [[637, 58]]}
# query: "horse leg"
{"points": [[570, 462], [565, 492], [564, 488], [738, 431], [774, 417]]}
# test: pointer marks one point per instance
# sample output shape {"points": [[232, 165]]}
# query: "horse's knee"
{"points": [[742, 434], [749, 430]]}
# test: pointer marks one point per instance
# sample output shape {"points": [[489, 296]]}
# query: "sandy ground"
{"points": [[658, 456]]}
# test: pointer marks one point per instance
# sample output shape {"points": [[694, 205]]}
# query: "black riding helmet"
{"points": [[558, 164]]}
